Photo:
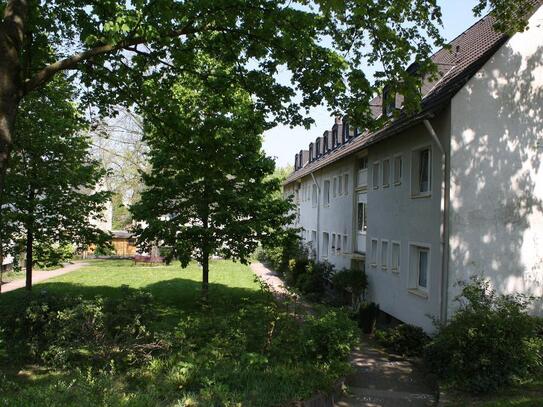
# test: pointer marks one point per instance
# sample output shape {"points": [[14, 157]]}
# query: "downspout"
{"points": [[445, 186], [318, 216]]}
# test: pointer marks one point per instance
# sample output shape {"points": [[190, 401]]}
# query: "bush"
{"points": [[54, 255], [353, 281], [366, 316], [404, 339], [330, 336], [279, 254], [64, 331], [489, 342]]}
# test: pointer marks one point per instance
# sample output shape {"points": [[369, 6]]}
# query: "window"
{"points": [[422, 257], [325, 144], [338, 244], [375, 175], [374, 244], [311, 152], [384, 254], [314, 196], [340, 186], [386, 173], [318, 148], [362, 218], [421, 172], [424, 171], [333, 243], [389, 101], [363, 163], [335, 187], [419, 268], [326, 196], [398, 170], [345, 239], [395, 261], [346, 184], [334, 138], [325, 243]]}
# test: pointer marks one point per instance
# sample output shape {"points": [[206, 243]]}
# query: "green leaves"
{"points": [[209, 189]]}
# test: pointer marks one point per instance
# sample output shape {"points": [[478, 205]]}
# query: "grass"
{"points": [[219, 353]]}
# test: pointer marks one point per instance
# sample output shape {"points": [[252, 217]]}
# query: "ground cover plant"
{"points": [[112, 334]]}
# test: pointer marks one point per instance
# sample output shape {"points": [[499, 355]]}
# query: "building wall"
{"points": [[396, 216], [496, 217]]}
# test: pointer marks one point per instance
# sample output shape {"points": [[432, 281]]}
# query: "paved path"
{"points": [[38, 276], [379, 379]]}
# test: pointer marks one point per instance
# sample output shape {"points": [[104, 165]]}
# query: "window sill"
{"points": [[386, 185], [418, 292], [421, 195], [384, 268], [373, 264], [395, 271], [397, 183]]}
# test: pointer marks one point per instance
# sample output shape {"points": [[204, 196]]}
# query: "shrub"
{"points": [[279, 253], [488, 343], [366, 316], [62, 331], [404, 339], [330, 336], [353, 281], [52, 255]]}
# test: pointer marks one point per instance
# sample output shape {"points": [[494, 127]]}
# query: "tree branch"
{"points": [[47, 73]]}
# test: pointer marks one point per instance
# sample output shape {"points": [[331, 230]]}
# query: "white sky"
{"points": [[283, 143]]}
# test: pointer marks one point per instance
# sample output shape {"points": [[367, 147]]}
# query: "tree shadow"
{"points": [[496, 217]]}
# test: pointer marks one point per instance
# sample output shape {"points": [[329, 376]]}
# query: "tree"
{"points": [[51, 194], [115, 45], [209, 189]]}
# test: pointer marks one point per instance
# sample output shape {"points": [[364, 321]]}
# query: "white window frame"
{"points": [[415, 172], [385, 246], [395, 268], [398, 180], [333, 251], [314, 196], [414, 268], [374, 255], [375, 172], [325, 244], [385, 178], [340, 186], [346, 184], [339, 244], [326, 194]]}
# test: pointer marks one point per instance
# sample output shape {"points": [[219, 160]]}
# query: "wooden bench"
{"points": [[138, 258]]}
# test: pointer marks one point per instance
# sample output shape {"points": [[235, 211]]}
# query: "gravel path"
{"points": [[38, 276]]}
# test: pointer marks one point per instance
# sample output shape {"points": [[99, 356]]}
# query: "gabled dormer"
{"points": [[389, 101]]}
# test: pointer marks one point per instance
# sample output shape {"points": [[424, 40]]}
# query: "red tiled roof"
{"points": [[457, 64]]}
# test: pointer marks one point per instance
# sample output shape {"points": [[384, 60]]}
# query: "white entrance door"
{"points": [[361, 221]]}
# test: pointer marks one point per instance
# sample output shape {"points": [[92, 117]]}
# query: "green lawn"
{"points": [[239, 348]]}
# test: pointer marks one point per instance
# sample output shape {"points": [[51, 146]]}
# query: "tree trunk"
{"points": [[29, 258], [205, 276], [12, 36]]}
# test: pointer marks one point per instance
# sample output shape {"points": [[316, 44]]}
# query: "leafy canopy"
{"points": [[210, 188], [52, 179]]}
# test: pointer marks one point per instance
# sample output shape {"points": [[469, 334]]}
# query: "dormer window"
{"points": [[334, 138], [296, 165], [325, 143], [389, 102], [310, 152], [317, 148], [346, 131]]}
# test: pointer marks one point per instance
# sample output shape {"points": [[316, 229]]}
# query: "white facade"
{"points": [[496, 212], [478, 210]]}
